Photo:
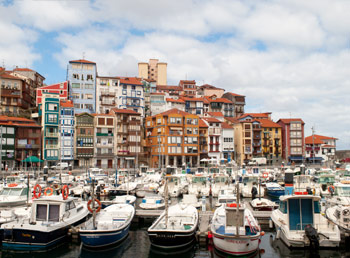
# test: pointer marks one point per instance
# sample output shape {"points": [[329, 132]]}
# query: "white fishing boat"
{"points": [[110, 226], [50, 219], [200, 186], [341, 194], [263, 204], [340, 216], [235, 230], [175, 227], [14, 194], [325, 183], [146, 188], [303, 183], [14, 213], [220, 182], [120, 199], [175, 186], [226, 196], [152, 202], [299, 222], [190, 199]]}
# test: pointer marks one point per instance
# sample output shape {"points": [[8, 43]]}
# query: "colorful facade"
{"points": [[319, 148], [84, 140], [67, 131], [173, 139], [59, 88]]}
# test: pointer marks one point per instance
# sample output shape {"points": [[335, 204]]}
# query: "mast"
{"points": [[237, 208], [93, 203], [166, 201]]}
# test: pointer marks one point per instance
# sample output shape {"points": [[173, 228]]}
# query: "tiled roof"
{"points": [[212, 120], [175, 100], [233, 120], [318, 139], [103, 115], [223, 100], [234, 94], [174, 111], [328, 146], [169, 87], [6, 75], [187, 81], [53, 86], [268, 123], [14, 118], [23, 69], [157, 93], [215, 114], [202, 123], [125, 111], [256, 115], [82, 61], [225, 125], [208, 86], [288, 120], [192, 99], [130, 80], [66, 103]]}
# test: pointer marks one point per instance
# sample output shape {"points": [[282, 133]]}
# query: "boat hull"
{"points": [[275, 193], [32, 240], [99, 239], [236, 245], [171, 240]]}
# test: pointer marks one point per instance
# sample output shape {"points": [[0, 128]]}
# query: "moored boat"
{"points": [[111, 226], [274, 190]]}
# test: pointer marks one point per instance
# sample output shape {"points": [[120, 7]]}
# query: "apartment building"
{"points": [[158, 103], [175, 103], [59, 88], [105, 127], [173, 139], [293, 144], [319, 148], [193, 105], [107, 93], [84, 140], [228, 143], [209, 90], [49, 111], [153, 70], [131, 95], [203, 140], [189, 88], [214, 138], [67, 131], [128, 138], [215, 104], [81, 76], [243, 138], [238, 102]]}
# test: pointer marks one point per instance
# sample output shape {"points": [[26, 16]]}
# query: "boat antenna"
{"points": [[166, 201], [93, 202], [237, 208]]}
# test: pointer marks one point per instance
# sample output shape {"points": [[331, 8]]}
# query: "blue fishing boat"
{"points": [[110, 226], [274, 190]]}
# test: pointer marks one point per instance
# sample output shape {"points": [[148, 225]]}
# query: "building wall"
{"points": [[162, 74], [67, 134], [60, 88], [84, 140], [228, 144], [143, 70], [82, 90], [131, 97]]}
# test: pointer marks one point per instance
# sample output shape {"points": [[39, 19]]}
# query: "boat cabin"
{"points": [[199, 180], [221, 179], [52, 209], [14, 190], [300, 209], [234, 218]]}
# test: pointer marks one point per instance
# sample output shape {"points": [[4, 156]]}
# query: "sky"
{"points": [[290, 57]]}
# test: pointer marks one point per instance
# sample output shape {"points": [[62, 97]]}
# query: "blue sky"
{"points": [[288, 57]]}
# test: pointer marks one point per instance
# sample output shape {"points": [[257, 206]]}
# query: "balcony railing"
{"points": [[98, 154], [104, 134], [51, 146], [33, 135], [55, 134], [28, 146]]}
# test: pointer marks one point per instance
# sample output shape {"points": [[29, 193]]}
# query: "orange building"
{"points": [[172, 138]]}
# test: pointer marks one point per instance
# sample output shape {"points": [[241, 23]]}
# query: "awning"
{"points": [[316, 158], [296, 157], [32, 159]]}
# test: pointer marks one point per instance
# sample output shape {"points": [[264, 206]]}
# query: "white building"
{"points": [[320, 148], [214, 138], [67, 131], [107, 91], [228, 144]]}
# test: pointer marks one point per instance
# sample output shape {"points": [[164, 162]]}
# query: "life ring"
{"points": [[12, 185], [96, 209], [37, 191], [331, 187], [65, 192], [265, 175], [48, 189]]}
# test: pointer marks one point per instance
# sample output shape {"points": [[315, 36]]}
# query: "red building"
{"points": [[293, 143], [59, 88]]}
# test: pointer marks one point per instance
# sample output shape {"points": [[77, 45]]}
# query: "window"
{"points": [[89, 77], [54, 211], [133, 87], [41, 212], [76, 76], [88, 96], [10, 130], [52, 107], [89, 86], [124, 92], [51, 118], [138, 93], [76, 85]]}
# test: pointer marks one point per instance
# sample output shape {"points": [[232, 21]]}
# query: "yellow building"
{"points": [[243, 133], [172, 138], [153, 70], [271, 141]]}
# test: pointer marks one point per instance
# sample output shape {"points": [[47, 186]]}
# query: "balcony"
{"points": [[175, 132], [55, 134], [28, 146], [99, 154], [51, 146], [34, 135], [108, 103], [104, 134], [108, 93], [85, 155]]}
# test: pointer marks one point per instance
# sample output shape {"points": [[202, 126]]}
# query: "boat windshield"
{"points": [[199, 179], [227, 200], [220, 179], [214, 170], [343, 191], [173, 180], [250, 179], [327, 179], [11, 191], [302, 179]]}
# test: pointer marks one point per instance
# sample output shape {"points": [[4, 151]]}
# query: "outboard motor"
{"points": [[313, 237]]}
